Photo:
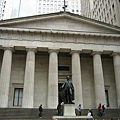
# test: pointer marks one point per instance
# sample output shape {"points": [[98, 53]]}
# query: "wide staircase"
{"points": [[32, 114]]}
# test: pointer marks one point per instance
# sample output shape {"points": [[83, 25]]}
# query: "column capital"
{"points": [[31, 49], [115, 53], [11, 48], [53, 50], [75, 51], [96, 52]]}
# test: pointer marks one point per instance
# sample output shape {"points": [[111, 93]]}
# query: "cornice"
{"points": [[56, 31]]}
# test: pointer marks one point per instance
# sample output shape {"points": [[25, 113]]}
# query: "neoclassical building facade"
{"points": [[38, 52]]}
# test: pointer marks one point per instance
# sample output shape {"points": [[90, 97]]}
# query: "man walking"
{"points": [[40, 110]]}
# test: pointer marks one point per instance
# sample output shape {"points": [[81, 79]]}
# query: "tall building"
{"points": [[6, 9], [16, 9], [103, 10], [51, 6]]}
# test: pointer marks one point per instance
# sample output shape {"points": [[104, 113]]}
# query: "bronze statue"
{"points": [[67, 91]]}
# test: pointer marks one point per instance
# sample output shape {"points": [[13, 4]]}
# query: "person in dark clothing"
{"points": [[103, 109], [59, 109], [40, 110], [100, 109], [91, 112]]}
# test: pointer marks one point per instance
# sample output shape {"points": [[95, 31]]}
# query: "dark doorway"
{"points": [[107, 98], [59, 93]]}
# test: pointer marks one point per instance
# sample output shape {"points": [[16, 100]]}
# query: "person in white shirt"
{"points": [[89, 113], [79, 109]]}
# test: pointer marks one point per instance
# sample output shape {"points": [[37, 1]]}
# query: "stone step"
{"points": [[32, 114]]}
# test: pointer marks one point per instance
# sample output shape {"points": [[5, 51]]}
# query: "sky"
{"points": [[28, 7]]}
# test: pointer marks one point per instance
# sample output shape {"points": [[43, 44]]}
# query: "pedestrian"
{"points": [[62, 108], [79, 108], [89, 113], [40, 110], [100, 109], [59, 109], [103, 109]]}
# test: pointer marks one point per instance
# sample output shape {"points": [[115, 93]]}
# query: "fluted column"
{"points": [[53, 79], [76, 77], [116, 62], [98, 79], [28, 90], [5, 77]]}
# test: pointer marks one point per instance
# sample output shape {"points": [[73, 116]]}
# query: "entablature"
{"points": [[57, 31]]}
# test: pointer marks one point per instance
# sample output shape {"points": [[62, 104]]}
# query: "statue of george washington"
{"points": [[67, 91]]}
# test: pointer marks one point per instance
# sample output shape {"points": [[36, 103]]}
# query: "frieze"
{"points": [[59, 37]]}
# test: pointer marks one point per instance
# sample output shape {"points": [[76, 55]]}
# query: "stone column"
{"points": [[98, 79], [5, 77], [76, 77], [116, 62], [28, 90], [53, 79]]}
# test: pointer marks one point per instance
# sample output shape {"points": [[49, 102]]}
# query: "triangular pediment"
{"points": [[60, 21]]}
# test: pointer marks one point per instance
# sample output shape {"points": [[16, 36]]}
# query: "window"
{"points": [[104, 10], [111, 21], [18, 94], [95, 16], [105, 19], [77, 10], [99, 9], [51, 9], [115, 17], [110, 12], [106, 6], [107, 98], [103, 2], [108, 15], [63, 68], [113, 6]]}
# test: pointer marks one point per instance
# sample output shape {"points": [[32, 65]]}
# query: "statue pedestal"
{"points": [[72, 118], [69, 114], [69, 110]]}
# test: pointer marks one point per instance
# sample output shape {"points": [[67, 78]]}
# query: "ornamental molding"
{"points": [[59, 36], [56, 31]]}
